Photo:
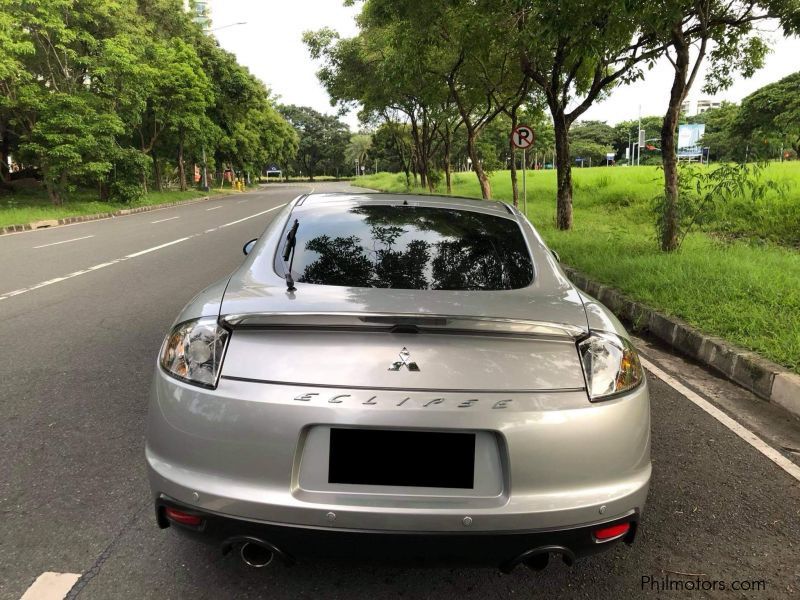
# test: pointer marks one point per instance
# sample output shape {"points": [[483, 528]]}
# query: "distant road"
{"points": [[83, 310]]}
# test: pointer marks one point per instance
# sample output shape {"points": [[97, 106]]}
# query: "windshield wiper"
{"points": [[288, 255]]}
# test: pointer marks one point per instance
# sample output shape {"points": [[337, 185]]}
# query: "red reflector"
{"points": [[612, 531], [181, 517]]}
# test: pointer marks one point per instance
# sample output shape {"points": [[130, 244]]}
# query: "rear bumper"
{"points": [[249, 451], [502, 549]]}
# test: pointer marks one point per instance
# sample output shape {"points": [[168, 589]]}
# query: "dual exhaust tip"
{"points": [[258, 554]]}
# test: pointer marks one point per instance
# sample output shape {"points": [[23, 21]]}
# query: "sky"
{"points": [[270, 45]]}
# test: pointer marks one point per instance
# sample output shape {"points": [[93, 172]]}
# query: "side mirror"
{"points": [[248, 247], [555, 254]]}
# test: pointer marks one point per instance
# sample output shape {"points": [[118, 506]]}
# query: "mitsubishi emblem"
{"points": [[405, 361]]}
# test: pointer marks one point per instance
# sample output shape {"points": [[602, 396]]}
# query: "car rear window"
{"points": [[407, 247]]}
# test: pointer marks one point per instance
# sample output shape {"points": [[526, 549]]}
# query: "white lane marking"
{"points": [[11, 294], [163, 220], [263, 212], [51, 586], [213, 208], [86, 237], [139, 214], [744, 433], [241, 201], [154, 248]]}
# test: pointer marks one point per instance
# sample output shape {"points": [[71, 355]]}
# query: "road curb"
{"points": [[50, 223], [767, 380]]}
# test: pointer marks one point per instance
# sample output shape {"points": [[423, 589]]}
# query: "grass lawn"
{"points": [[26, 206], [731, 279]]}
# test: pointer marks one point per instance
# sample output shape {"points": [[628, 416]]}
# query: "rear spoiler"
{"points": [[400, 323]]}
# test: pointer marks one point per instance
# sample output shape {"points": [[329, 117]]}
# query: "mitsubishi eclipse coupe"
{"points": [[399, 377]]}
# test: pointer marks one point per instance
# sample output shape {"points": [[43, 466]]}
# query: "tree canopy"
{"points": [[773, 113], [322, 142], [122, 94]]}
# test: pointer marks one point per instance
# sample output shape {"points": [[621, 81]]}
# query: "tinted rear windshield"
{"points": [[408, 247]]}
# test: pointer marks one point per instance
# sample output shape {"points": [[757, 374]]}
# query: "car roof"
{"points": [[436, 201]]}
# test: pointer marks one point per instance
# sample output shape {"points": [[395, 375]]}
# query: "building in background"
{"points": [[201, 12], [694, 107]]}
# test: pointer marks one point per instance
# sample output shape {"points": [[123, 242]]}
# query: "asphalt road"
{"points": [[76, 357]]}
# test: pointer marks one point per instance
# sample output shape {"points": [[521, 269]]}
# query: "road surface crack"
{"points": [[94, 570]]}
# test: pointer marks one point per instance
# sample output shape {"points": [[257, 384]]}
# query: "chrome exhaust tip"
{"points": [[255, 555], [254, 551], [537, 559], [537, 562]]}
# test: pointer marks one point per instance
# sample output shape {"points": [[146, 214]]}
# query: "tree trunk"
{"points": [[53, 193], [5, 149], [447, 141], [669, 159], [419, 169], [156, 174], [181, 166], [563, 173], [483, 179], [54, 190], [448, 170], [670, 227]]}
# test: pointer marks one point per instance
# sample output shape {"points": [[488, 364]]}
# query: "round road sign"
{"points": [[522, 137]]}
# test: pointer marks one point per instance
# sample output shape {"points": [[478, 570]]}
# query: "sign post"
{"points": [[523, 137]]}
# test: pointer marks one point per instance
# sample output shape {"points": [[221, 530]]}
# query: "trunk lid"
{"points": [[378, 359], [354, 338]]}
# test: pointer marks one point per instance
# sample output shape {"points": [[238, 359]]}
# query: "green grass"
{"points": [[27, 206], [745, 290]]}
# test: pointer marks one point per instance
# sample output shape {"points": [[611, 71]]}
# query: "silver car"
{"points": [[399, 377]]}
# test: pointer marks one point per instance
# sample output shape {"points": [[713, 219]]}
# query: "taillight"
{"points": [[610, 365], [173, 514], [612, 532]]}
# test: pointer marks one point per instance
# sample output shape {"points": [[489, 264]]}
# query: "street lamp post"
{"points": [[226, 26]]}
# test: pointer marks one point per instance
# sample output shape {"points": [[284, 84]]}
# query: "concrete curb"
{"points": [[765, 379], [50, 223]]}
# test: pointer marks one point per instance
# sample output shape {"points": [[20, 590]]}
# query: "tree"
{"points": [[55, 93], [391, 147], [574, 51], [721, 30], [463, 52], [15, 44], [72, 136], [436, 63], [772, 112], [373, 70], [95, 92], [358, 149], [322, 140], [596, 132], [189, 103]]}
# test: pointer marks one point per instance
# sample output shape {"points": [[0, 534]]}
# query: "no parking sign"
{"points": [[523, 137]]}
